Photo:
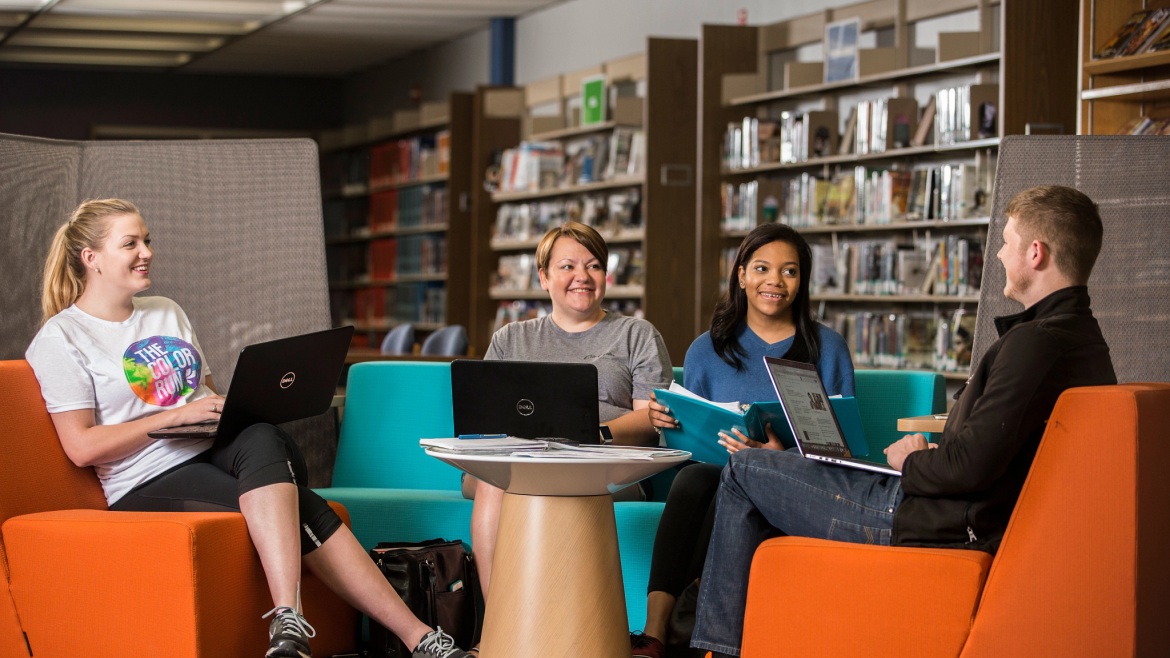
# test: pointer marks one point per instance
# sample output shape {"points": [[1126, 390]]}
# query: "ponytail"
{"points": [[64, 278]]}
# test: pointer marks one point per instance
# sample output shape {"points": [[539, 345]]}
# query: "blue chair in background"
{"points": [[884, 396], [394, 492], [400, 340], [448, 341]]}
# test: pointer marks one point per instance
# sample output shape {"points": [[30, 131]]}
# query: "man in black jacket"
{"points": [[959, 492]]}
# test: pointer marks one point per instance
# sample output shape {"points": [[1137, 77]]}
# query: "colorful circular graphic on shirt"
{"points": [[162, 369]]}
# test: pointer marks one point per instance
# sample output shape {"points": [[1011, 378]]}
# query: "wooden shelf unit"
{"points": [[457, 119], [1113, 91], [1030, 64], [669, 69]]}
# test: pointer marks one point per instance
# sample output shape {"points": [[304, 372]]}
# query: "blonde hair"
{"points": [[64, 272], [587, 236]]}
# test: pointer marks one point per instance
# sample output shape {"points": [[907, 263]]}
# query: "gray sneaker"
{"points": [[438, 644], [288, 634]]}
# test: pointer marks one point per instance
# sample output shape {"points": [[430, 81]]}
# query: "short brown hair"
{"points": [[1064, 219], [586, 235]]}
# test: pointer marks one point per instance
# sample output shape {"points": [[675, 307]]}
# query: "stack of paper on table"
{"points": [[701, 421], [538, 449]]}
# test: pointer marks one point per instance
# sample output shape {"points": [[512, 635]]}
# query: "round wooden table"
{"points": [[556, 586]]}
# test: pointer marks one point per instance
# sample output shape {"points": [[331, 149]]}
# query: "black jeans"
{"points": [[214, 480], [680, 545]]}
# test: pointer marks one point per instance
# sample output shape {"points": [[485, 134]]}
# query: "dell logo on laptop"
{"points": [[288, 380], [525, 407]]}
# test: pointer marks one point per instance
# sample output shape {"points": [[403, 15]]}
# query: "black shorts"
{"points": [[214, 480]]}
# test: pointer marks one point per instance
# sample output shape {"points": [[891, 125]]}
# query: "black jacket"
{"points": [[961, 494]]}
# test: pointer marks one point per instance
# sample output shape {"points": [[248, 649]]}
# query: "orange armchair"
{"points": [[81, 580], [1083, 570]]}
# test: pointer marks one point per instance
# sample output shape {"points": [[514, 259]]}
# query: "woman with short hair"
{"points": [[630, 356]]}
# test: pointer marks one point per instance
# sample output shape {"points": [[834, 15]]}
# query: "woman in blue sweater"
{"points": [[766, 313]]}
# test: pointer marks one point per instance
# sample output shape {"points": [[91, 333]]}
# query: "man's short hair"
{"points": [[587, 236], [1064, 219]]}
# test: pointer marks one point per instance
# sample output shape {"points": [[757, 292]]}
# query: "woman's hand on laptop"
{"points": [[737, 440], [203, 409]]}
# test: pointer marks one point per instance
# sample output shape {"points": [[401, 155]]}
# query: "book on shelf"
{"points": [[841, 42], [383, 259], [845, 146], [795, 137], [518, 272], [1139, 34], [1160, 41], [925, 124], [610, 213], [940, 266], [421, 255], [345, 173], [536, 166], [409, 160], [1145, 125], [966, 113], [1146, 33], [922, 341], [870, 196], [884, 124]]}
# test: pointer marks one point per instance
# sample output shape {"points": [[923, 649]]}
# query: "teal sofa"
{"points": [[394, 492]]}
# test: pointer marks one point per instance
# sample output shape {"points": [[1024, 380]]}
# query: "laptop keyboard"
{"points": [[190, 429]]}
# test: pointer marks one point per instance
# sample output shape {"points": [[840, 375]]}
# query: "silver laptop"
{"points": [[814, 426]]}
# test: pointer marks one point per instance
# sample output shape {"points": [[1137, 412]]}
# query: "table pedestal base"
{"points": [[556, 582]]}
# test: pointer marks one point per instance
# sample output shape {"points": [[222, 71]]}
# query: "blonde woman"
{"points": [[630, 356], [113, 366]]}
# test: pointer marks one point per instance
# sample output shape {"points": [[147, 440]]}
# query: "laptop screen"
{"points": [[806, 404]]}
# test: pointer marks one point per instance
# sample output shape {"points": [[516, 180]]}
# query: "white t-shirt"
{"points": [[124, 371]]}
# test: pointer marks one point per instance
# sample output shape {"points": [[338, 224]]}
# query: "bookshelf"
{"points": [[1022, 46], [397, 224], [653, 92], [1115, 90]]}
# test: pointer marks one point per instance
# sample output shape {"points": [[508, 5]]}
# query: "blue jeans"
{"points": [[769, 493]]}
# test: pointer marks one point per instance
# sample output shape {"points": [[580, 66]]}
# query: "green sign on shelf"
{"points": [[592, 100]]}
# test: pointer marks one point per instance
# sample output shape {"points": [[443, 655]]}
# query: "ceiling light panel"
{"points": [[90, 57], [67, 39], [258, 9], [11, 18], [20, 5], [57, 21]]}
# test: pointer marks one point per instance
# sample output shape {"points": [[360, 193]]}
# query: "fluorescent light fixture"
{"points": [[228, 7], [11, 20], [92, 57], [293, 6], [58, 21], [60, 39]]}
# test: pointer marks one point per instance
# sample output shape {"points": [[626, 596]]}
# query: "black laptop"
{"points": [[525, 399], [276, 382]]}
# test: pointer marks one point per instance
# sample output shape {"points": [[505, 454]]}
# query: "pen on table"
{"points": [[483, 436]]}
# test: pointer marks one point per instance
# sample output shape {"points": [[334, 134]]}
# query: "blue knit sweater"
{"points": [[705, 374]]}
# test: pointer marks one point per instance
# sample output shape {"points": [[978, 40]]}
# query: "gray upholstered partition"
{"points": [[1129, 178], [237, 231]]}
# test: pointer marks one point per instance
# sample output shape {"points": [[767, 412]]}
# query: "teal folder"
{"points": [[702, 421]]}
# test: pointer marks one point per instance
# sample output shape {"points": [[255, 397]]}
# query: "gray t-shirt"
{"points": [[630, 356]]}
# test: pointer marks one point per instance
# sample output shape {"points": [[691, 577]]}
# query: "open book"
{"points": [[701, 421]]}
